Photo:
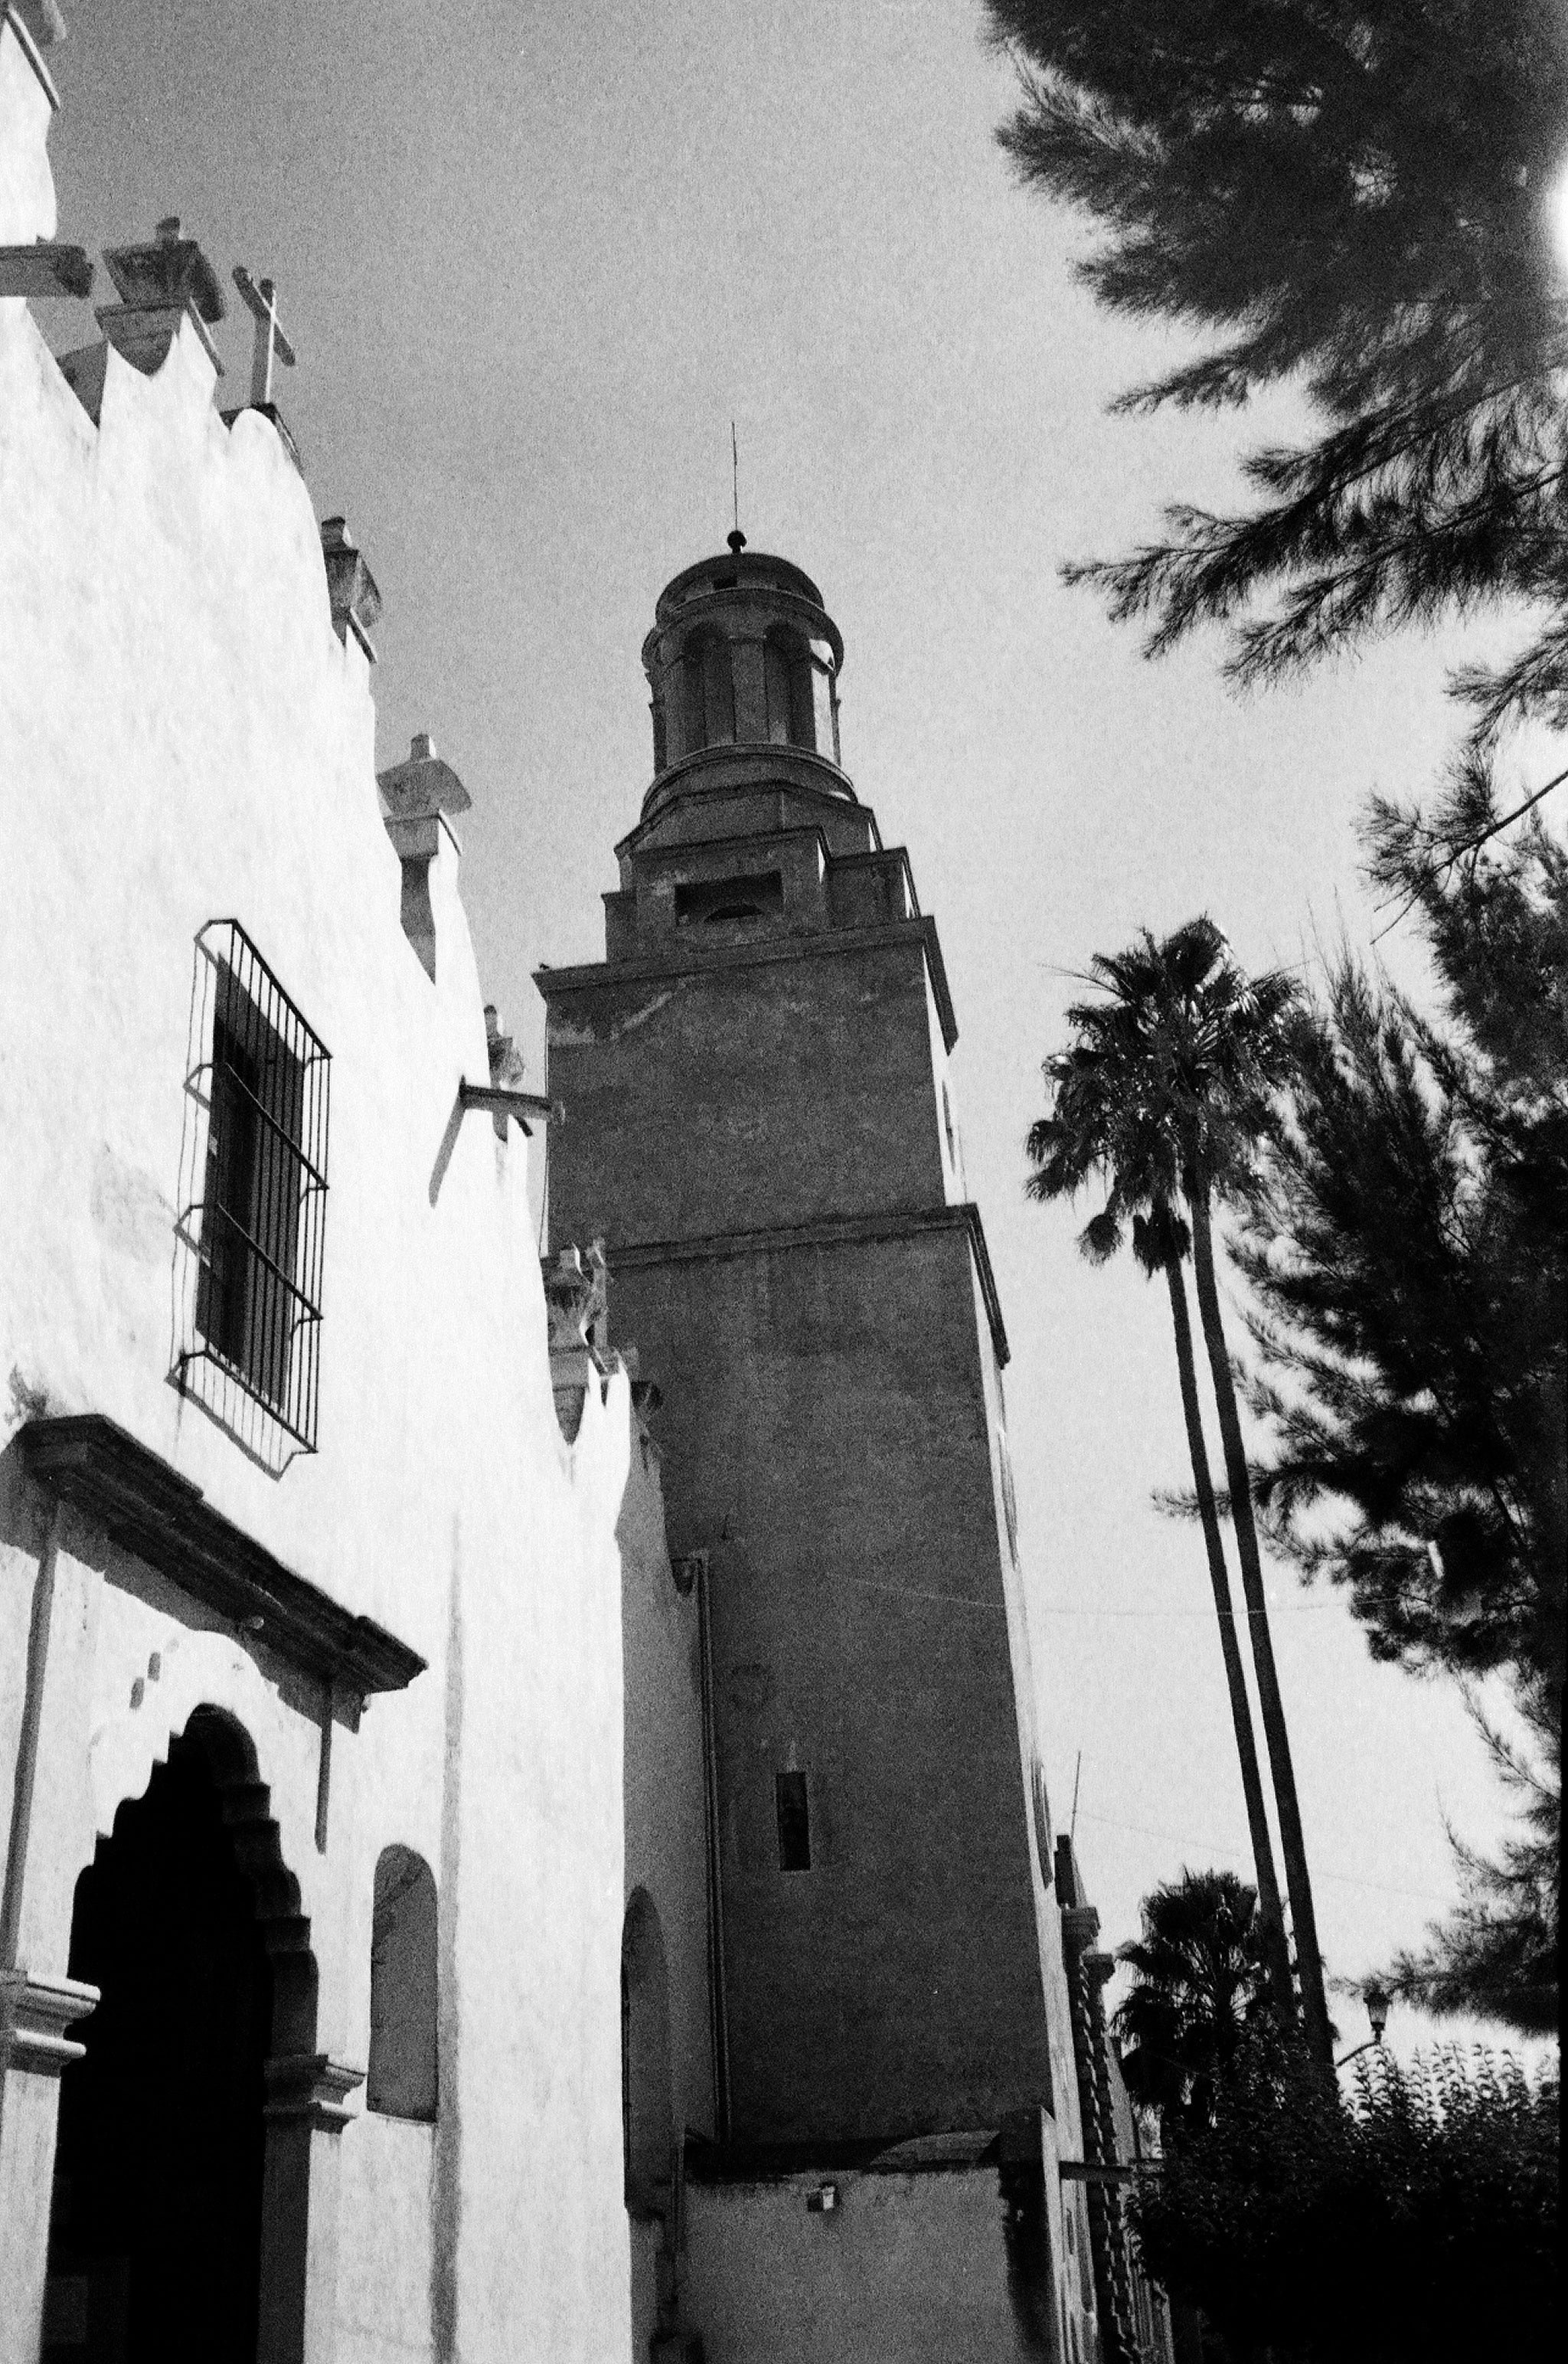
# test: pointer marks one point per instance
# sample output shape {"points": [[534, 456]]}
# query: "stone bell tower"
{"points": [[758, 1123]]}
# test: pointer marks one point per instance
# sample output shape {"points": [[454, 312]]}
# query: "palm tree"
{"points": [[1099, 1123], [1185, 1056], [1199, 1979]]}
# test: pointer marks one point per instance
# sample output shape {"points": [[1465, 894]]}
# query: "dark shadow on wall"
{"points": [[1025, 2234], [648, 2117], [446, 2195]]}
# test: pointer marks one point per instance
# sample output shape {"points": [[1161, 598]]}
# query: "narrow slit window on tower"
{"points": [[795, 1822]]}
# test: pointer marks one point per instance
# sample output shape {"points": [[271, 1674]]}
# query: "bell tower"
{"points": [[758, 1123]]}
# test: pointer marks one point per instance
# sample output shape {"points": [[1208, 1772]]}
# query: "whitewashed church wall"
{"points": [[27, 102], [183, 738]]}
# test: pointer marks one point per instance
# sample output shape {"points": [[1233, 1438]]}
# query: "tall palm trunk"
{"points": [[1275, 1952], [1309, 1963]]}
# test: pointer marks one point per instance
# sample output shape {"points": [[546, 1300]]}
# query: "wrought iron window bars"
{"points": [[251, 1347]]}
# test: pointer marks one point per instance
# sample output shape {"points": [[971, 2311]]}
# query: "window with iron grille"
{"points": [[257, 1228]]}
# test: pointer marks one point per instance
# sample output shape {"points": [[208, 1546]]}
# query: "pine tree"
{"points": [[1352, 197], [1407, 1257]]}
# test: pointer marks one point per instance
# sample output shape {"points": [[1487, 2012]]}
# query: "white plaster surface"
{"points": [[383, 2276], [27, 184], [183, 738]]}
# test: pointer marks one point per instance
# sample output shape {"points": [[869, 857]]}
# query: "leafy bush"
{"points": [[1412, 2218]]}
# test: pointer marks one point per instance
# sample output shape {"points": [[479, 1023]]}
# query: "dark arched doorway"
{"points": [[155, 2232]]}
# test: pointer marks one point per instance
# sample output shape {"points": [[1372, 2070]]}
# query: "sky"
{"points": [[534, 260]]}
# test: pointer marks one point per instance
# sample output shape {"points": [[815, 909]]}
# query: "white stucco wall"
{"points": [[183, 737], [27, 102]]}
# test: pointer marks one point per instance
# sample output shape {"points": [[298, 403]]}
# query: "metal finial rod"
{"points": [[736, 539]]}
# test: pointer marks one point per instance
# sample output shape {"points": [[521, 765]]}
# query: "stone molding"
{"points": [[163, 1519], [312, 2086], [35, 2012], [681, 778], [741, 780], [816, 946], [46, 268], [832, 1231]]}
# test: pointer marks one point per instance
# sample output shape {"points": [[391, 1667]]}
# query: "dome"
{"points": [[742, 656]]}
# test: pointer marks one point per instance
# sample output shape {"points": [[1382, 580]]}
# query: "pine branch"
{"points": [[1350, 203], [1445, 852]]}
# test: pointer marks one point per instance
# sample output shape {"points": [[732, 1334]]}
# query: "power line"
{"points": [[1274, 1609], [1241, 1847]]}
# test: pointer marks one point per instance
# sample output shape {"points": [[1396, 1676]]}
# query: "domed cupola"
{"points": [[743, 661]]}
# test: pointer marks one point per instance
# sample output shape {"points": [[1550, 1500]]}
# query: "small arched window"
{"points": [[646, 2103], [787, 667], [401, 2083]]}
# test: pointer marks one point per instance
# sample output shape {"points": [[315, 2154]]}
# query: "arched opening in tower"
{"points": [[787, 663], [709, 692]]}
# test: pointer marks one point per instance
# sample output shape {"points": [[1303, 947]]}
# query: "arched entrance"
{"points": [[156, 2229]]}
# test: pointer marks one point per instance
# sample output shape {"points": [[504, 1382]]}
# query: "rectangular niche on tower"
{"points": [[795, 1822], [708, 901]]}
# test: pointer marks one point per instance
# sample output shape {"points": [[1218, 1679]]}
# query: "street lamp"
{"points": [[1376, 1998]]}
